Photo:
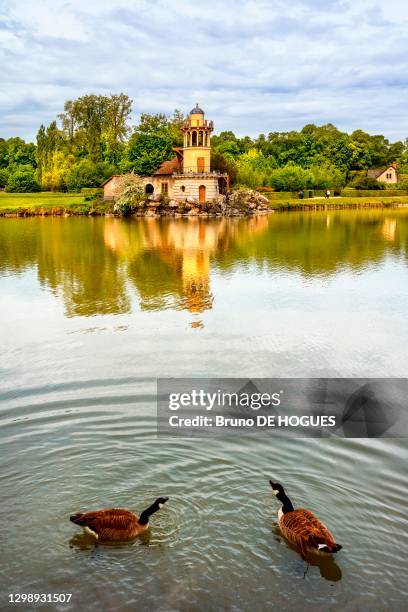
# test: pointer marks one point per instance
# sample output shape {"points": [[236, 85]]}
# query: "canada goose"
{"points": [[116, 524], [301, 527]]}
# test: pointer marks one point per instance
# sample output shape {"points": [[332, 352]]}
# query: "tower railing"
{"points": [[195, 172]]}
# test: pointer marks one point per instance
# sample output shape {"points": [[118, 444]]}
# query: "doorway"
{"points": [[201, 194], [200, 164]]}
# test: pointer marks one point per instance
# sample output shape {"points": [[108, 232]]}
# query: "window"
{"points": [[165, 188], [183, 188]]}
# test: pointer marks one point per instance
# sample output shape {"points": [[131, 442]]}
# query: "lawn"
{"points": [[51, 203], [39, 200], [338, 202]]}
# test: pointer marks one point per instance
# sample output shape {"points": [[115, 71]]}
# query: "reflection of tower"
{"points": [[197, 296], [389, 229], [196, 145]]}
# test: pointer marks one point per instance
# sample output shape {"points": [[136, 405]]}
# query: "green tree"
{"points": [[22, 181], [4, 175], [291, 178], [86, 173]]}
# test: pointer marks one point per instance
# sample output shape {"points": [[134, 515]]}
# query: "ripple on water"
{"points": [[216, 539]]}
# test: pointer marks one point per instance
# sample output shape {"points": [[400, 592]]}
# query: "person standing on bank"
{"points": [[327, 194]]}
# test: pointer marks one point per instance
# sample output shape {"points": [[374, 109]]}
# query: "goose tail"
{"points": [[329, 548]]}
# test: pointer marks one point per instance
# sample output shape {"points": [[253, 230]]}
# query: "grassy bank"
{"points": [[49, 203], [339, 202], [55, 204]]}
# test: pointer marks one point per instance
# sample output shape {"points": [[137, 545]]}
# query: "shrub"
{"points": [[291, 178], [4, 174], [22, 181], [366, 182], [327, 176], [129, 194]]}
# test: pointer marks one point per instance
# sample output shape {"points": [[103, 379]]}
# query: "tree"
{"points": [[115, 128], [224, 164], [152, 142], [22, 181], [366, 182], [291, 178], [326, 176], [4, 175], [86, 173]]}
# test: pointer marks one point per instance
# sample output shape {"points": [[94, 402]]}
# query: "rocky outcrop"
{"points": [[238, 203]]}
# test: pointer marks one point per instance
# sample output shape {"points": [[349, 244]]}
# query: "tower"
{"points": [[197, 145]]}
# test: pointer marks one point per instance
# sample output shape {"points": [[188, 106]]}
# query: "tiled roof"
{"points": [[376, 172], [168, 167]]}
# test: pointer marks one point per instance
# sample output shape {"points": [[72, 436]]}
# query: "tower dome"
{"points": [[197, 110]]}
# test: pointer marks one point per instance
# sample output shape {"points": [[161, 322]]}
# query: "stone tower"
{"points": [[197, 145]]}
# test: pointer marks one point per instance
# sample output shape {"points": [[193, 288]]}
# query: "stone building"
{"points": [[384, 175], [188, 176]]}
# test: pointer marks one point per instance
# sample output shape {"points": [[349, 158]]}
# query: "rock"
{"points": [[172, 204], [193, 212], [191, 200], [154, 197]]}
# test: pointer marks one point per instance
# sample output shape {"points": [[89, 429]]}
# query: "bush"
{"points": [[366, 182], [129, 194], [291, 178], [22, 181], [327, 176], [86, 173], [4, 175], [402, 185]]}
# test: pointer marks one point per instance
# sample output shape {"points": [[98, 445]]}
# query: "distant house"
{"points": [[188, 174], [384, 175], [109, 187]]}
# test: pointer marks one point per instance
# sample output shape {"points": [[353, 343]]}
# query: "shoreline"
{"points": [[106, 209]]}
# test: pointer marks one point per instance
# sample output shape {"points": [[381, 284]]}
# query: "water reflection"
{"points": [[95, 265]]}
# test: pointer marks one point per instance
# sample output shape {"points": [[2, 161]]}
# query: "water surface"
{"points": [[93, 310]]}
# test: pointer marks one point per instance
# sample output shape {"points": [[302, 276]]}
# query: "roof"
{"points": [[109, 179], [197, 110], [376, 172], [168, 167]]}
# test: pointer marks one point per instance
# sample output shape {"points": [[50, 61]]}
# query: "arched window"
{"points": [[183, 188], [149, 188], [200, 138], [194, 139]]}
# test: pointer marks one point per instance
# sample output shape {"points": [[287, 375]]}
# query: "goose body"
{"points": [[116, 524], [302, 528]]}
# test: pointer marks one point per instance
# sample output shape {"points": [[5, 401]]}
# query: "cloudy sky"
{"points": [[253, 65]]}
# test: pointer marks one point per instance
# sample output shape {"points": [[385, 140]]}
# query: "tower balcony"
{"points": [[192, 172], [204, 124]]}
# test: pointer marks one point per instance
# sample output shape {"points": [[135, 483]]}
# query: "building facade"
{"points": [[188, 176], [384, 175]]}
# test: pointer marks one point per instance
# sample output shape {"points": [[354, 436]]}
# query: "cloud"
{"points": [[254, 66]]}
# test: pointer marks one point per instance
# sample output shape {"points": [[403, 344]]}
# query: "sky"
{"points": [[254, 66]]}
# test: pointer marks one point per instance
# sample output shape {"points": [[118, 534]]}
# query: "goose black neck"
{"points": [[287, 505], [146, 514]]}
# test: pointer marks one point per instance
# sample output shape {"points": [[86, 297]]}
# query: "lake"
{"points": [[94, 309]]}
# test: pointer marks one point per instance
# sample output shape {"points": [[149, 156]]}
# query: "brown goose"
{"points": [[116, 524], [301, 527]]}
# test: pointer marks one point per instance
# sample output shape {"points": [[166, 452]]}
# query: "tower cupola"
{"points": [[197, 146]]}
